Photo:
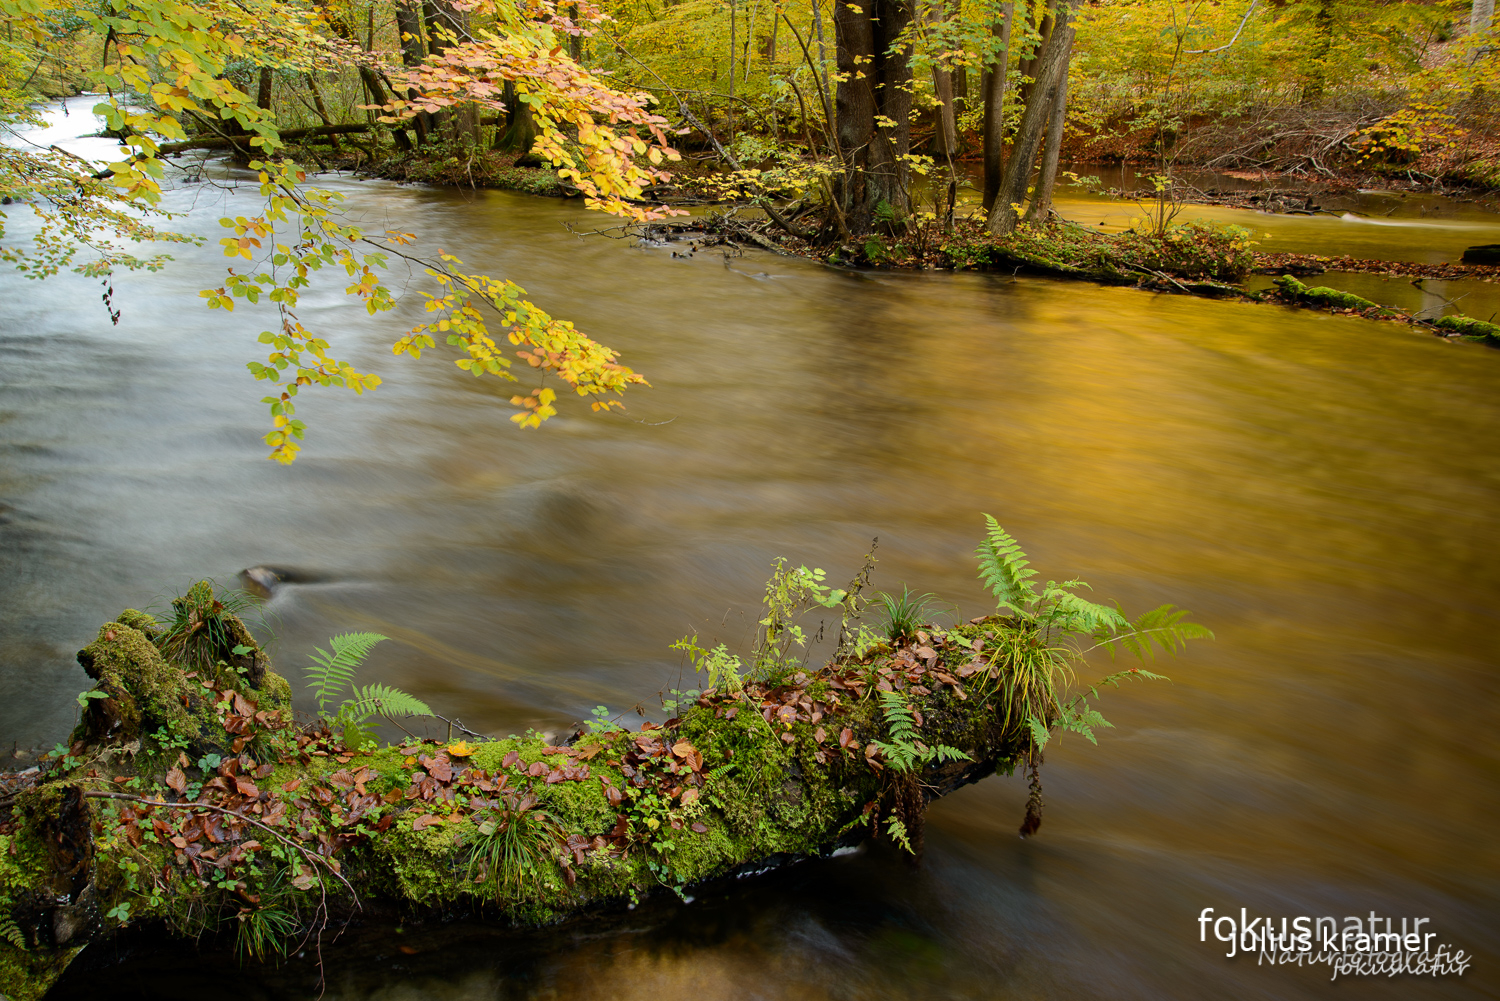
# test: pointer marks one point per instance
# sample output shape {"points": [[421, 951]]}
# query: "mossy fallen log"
{"points": [[1467, 326], [1327, 298], [188, 801], [186, 798]]}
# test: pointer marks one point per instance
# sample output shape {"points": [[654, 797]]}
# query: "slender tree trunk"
{"points": [[444, 19], [733, 21], [771, 46], [875, 83], [1052, 63], [821, 70], [367, 76], [945, 141], [575, 42], [1029, 67], [321, 108], [750, 40], [413, 51], [995, 84], [1041, 201], [1317, 77]]}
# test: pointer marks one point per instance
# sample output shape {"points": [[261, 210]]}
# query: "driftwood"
{"points": [[188, 804]]}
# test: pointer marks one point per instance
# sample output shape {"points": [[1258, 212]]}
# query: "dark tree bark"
{"points": [[321, 108], [995, 83], [413, 51], [873, 105], [263, 92], [519, 129], [1052, 64], [1030, 65], [945, 142], [445, 22], [1041, 200]]}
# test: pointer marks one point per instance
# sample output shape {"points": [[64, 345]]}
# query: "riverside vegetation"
{"points": [[187, 798]]}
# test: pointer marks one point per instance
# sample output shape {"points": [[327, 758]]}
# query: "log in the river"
{"points": [[230, 142], [188, 799]]}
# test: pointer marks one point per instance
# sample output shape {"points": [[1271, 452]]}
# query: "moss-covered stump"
{"points": [[188, 800]]}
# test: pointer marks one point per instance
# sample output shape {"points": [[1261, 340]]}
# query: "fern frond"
{"points": [[385, 701], [1163, 627], [333, 673], [10, 931], [1073, 614], [1004, 568]]}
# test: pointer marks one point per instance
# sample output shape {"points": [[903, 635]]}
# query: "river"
{"points": [[1323, 492]]}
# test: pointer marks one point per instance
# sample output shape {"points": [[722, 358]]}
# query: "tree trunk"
{"points": [[875, 83], [1052, 62], [519, 130], [367, 76], [413, 51], [946, 139], [733, 21], [1030, 66], [1480, 18], [445, 22], [263, 92], [995, 83], [1317, 76], [1041, 201], [575, 42], [821, 70], [322, 109]]}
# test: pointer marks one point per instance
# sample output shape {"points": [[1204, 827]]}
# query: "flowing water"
{"points": [[1324, 492]]}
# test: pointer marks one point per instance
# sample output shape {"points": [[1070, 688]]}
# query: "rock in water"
{"points": [[1488, 253]]}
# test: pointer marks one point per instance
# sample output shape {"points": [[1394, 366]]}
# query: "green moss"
{"points": [[27, 976], [1321, 295], [146, 692], [1487, 333]]}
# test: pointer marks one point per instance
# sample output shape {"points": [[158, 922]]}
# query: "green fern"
{"points": [[333, 673], [905, 750], [1161, 627], [1005, 569], [1039, 653], [384, 700], [9, 930]]}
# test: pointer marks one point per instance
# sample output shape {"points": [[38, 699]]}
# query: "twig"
{"points": [[1243, 21]]}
